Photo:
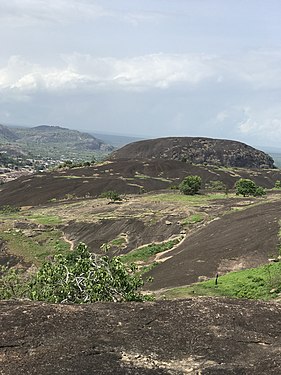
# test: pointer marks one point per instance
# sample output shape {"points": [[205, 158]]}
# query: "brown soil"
{"points": [[123, 176], [239, 240], [195, 336]]}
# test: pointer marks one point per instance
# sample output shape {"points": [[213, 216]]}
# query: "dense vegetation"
{"points": [[78, 277]]}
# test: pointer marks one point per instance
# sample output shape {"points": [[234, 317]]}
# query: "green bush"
{"points": [[248, 187], [190, 185], [277, 184], [81, 277], [78, 277]]}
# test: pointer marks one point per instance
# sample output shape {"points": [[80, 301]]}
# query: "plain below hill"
{"points": [[208, 151]]}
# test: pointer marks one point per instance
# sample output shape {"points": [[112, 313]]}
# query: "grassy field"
{"points": [[35, 247], [258, 283]]}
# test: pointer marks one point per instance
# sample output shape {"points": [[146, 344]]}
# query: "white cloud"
{"points": [[19, 13], [29, 12], [257, 72], [85, 72]]}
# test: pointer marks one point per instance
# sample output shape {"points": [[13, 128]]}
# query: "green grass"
{"points": [[193, 219], [257, 283], [45, 219], [34, 249], [145, 252], [118, 241]]}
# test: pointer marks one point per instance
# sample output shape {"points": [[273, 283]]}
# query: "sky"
{"points": [[149, 68]]}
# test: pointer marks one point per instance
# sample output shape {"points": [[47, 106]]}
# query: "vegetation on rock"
{"points": [[190, 185], [247, 187]]}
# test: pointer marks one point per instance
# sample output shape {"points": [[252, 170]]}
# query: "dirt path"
{"points": [[238, 240], [69, 241]]}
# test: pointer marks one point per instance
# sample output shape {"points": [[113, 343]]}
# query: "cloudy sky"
{"points": [[144, 67]]}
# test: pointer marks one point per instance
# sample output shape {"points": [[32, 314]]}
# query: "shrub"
{"points": [[259, 191], [78, 277], [190, 185], [248, 187], [277, 184], [112, 195]]}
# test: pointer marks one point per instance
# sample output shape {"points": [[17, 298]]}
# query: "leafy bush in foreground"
{"points": [[78, 277]]}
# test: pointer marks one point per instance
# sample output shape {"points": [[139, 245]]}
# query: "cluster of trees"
{"points": [[191, 185]]}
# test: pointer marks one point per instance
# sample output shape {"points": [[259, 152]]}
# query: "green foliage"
{"points": [[78, 277], [193, 219], [260, 191], [7, 209], [248, 187], [277, 184], [81, 277], [190, 185], [257, 283], [12, 283], [112, 195]]}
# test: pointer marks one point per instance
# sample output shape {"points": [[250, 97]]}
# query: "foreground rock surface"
{"points": [[193, 336]]}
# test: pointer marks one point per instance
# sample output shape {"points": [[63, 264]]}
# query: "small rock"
{"points": [[167, 222]]}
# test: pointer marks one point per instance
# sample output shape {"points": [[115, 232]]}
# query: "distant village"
{"points": [[22, 167]]}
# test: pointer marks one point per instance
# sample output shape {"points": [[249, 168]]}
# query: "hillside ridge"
{"points": [[197, 150]]}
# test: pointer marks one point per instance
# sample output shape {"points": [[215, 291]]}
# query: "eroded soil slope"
{"points": [[193, 336]]}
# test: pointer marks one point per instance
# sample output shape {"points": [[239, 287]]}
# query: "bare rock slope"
{"points": [[197, 151], [193, 336]]}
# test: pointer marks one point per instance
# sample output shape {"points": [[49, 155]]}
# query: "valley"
{"points": [[197, 250]]}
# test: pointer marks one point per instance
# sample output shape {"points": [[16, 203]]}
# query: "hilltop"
{"points": [[208, 151]]}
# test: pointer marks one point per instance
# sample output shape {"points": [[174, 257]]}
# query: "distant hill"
{"points": [[52, 141], [193, 150], [7, 135]]}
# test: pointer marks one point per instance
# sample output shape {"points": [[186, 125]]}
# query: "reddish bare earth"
{"points": [[193, 336]]}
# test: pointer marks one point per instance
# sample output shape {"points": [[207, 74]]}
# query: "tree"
{"points": [[190, 185], [82, 277], [247, 187]]}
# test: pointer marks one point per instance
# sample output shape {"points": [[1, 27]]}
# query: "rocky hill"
{"points": [[51, 142], [46, 134], [209, 151]]}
